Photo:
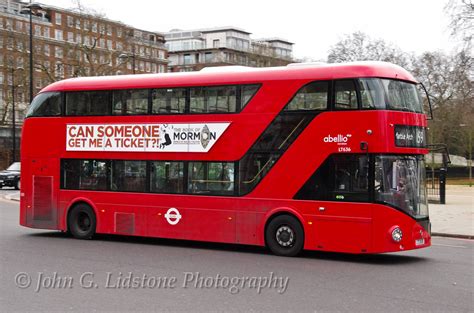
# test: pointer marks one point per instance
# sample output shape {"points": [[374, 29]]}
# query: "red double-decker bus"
{"points": [[317, 157]]}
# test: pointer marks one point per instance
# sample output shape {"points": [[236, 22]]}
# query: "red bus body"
{"points": [[351, 227]]}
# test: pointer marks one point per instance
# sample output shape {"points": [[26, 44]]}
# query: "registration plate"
{"points": [[420, 242]]}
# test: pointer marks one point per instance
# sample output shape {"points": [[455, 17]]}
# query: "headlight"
{"points": [[397, 234]]}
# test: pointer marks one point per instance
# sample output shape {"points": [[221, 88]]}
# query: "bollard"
{"points": [[442, 185]]}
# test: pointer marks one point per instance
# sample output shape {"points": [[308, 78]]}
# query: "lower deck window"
{"points": [[207, 178], [211, 178], [128, 175], [167, 177], [84, 174]]}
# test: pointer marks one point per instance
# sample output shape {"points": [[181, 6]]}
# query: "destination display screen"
{"points": [[410, 136]]}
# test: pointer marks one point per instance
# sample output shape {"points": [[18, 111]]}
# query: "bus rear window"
{"points": [[46, 104]]}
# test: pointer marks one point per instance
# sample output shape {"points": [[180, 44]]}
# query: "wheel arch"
{"points": [[78, 201], [269, 216]]}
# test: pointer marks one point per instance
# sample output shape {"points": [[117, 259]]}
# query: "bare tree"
{"points": [[15, 65], [448, 79], [87, 52], [359, 46], [461, 13]]}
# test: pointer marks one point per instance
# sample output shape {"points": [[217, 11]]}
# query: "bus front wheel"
{"points": [[284, 235], [82, 221]]}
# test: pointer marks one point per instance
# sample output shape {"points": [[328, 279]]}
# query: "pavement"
{"points": [[456, 217], [453, 219]]}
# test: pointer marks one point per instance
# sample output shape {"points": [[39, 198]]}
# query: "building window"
{"points": [[216, 43], [45, 31], [188, 59], [58, 20], [59, 52], [58, 34], [70, 21]]}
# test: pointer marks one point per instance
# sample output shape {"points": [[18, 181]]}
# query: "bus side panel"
{"points": [[338, 227]]}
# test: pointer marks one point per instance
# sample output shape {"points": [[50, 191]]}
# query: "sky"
{"points": [[313, 25]]}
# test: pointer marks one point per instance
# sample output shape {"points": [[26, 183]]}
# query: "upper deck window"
{"points": [[209, 99], [371, 93], [171, 100], [345, 95], [133, 101], [221, 99], [313, 96], [46, 104], [88, 103], [402, 96], [389, 94]]}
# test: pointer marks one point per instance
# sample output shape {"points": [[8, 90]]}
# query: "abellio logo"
{"points": [[339, 138]]}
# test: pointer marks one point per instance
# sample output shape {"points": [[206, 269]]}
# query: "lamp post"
{"points": [[12, 70], [469, 147], [30, 9]]}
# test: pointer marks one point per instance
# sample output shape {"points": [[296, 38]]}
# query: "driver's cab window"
{"points": [[345, 96]]}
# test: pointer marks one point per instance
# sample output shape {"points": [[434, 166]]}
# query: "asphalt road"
{"points": [[48, 271]]}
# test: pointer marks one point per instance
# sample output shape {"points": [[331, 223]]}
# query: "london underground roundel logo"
{"points": [[173, 216]]}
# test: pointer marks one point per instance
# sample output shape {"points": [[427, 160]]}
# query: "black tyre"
{"points": [[284, 235], [18, 185], [81, 221]]}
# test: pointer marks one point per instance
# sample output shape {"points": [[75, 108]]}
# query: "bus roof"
{"points": [[235, 75]]}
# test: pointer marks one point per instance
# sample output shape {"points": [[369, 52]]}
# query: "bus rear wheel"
{"points": [[284, 235], [82, 221]]}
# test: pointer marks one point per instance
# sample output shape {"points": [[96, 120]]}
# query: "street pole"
{"points": [[31, 55], [470, 158], [13, 117], [29, 10], [469, 153], [133, 58]]}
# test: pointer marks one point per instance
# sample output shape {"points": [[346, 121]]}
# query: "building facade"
{"points": [[68, 43], [192, 50]]}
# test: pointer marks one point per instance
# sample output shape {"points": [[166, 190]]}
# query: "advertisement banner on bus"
{"points": [[182, 137]]}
